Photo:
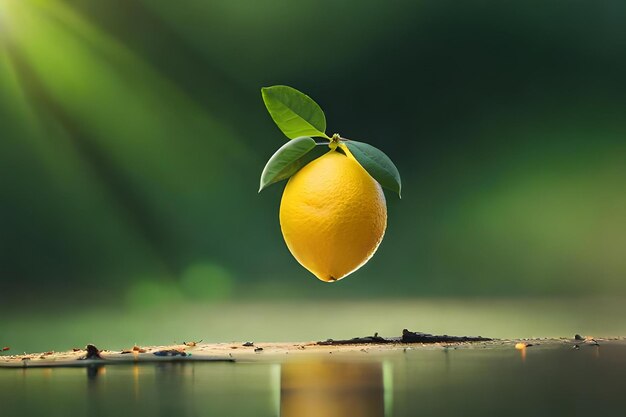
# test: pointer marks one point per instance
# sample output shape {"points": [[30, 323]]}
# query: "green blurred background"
{"points": [[133, 135]]}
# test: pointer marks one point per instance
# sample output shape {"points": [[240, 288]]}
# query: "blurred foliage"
{"points": [[133, 135]]}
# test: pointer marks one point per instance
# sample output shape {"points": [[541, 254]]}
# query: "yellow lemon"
{"points": [[333, 216]]}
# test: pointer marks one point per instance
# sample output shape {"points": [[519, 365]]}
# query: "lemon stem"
{"points": [[334, 141]]}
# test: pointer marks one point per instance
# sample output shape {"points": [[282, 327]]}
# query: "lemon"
{"points": [[333, 216]]}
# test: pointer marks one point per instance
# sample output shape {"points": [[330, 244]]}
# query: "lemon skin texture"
{"points": [[333, 216]]}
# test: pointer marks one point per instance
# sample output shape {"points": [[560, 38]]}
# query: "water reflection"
{"points": [[552, 381], [303, 388], [94, 371], [332, 389]]}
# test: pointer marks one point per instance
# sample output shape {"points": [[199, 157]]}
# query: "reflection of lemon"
{"points": [[333, 216], [332, 389]]}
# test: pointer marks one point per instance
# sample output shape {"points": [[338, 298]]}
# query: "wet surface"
{"points": [[538, 380]]}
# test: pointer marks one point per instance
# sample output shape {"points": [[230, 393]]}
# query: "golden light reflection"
{"points": [[332, 389], [522, 349], [136, 381]]}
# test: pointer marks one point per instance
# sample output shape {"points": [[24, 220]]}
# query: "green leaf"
{"points": [[287, 160], [295, 113], [377, 164]]}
